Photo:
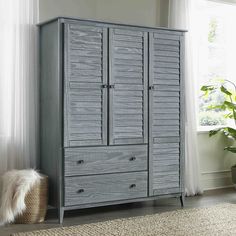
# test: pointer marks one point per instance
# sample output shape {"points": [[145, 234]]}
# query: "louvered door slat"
{"points": [[128, 92], [85, 100], [164, 110]]}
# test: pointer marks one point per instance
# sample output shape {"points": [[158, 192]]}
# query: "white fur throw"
{"points": [[14, 185]]}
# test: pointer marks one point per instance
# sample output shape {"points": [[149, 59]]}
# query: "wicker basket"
{"points": [[36, 202]]}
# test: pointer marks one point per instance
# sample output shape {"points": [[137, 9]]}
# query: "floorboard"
{"points": [[77, 217]]}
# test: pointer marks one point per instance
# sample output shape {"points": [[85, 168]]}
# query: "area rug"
{"points": [[219, 220]]}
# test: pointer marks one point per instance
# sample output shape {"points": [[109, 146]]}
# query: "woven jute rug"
{"points": [[219, 220]]}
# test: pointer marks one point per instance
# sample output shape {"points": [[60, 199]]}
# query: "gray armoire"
{"points": [[111, 113]]}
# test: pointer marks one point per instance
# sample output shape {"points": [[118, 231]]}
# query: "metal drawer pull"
{"points": [[104, 86], [132, 158], [112, 86], [151, 87], [132, 186], [80, 162], [80, 190]]}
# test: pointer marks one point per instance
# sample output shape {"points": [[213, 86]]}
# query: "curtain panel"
{"points": [[181, 15], [18, 84]]}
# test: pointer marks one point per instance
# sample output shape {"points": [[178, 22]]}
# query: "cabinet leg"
{"points": [[182, 198], [61, 214]]}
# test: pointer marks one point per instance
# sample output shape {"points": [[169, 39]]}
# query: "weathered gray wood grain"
{"points": [[166, 36], [128, 75], [85, 112], [51, 109], [165, 122], [182, 117], [102, 188], [85, 73], [166, 59], [166, 191], [166, 53], [101, 160], [165, 113], [162, 103]]}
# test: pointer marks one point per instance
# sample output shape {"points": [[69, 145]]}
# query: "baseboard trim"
{"points": [[211, 180], [220, 187], [215, 171]]}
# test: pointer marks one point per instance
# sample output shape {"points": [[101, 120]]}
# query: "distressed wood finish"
{"points": [[128, 83], [101, 160], [182, 118], [85, 103], [102, 188], [164, 139], [111, 113], [51, 109]]}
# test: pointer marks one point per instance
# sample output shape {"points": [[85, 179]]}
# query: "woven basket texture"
{"points": [[36, 202]]}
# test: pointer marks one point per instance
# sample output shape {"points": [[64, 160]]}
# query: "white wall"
{"points": [[140, 12], [215, 163], [164, 10]]}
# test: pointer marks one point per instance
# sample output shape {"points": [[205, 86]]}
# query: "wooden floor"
{"points": [[77, 217]]}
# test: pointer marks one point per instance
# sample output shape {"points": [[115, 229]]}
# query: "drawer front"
{"points": [[103, 188], [102, 160]]}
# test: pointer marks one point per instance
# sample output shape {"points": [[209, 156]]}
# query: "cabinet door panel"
{"points": [[128, 86], [85, 99], [165, 116]]}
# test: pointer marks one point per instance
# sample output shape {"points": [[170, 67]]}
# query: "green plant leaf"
{"points": [[207, 88], [229, 115], [230, 105], [230, 149], [214, 132], [225, 90], [213, 107], [227, 131], [232, 132]]}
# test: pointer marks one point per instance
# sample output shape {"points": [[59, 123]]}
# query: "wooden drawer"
{"points": [[102, 160], [103, 188]]}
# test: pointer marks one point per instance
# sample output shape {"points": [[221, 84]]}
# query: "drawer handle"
{"points": [[132, 186], [132, 158], [80, 162], [80, 190]]}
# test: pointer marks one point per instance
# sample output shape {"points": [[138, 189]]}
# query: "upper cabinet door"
{"points": [[85, 82], [165, 128], [128, 57]]}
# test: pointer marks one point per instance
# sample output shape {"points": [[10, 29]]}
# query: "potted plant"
{"points": [[228, 105]]}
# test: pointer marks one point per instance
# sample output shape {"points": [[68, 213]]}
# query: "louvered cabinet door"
{"points": [[128, 86], [85, 96], [164, 109]]}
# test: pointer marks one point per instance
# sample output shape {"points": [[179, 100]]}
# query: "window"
{"points": [[216, 44]]}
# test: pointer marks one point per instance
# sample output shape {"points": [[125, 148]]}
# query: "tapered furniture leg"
{"points": [[61, 214], [182, 198]]}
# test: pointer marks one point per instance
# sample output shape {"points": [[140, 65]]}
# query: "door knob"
{"points": [[104, 86], [151, 87]]}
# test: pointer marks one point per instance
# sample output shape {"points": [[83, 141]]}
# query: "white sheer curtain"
{"points": [[18, 84], [181, 15]]}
